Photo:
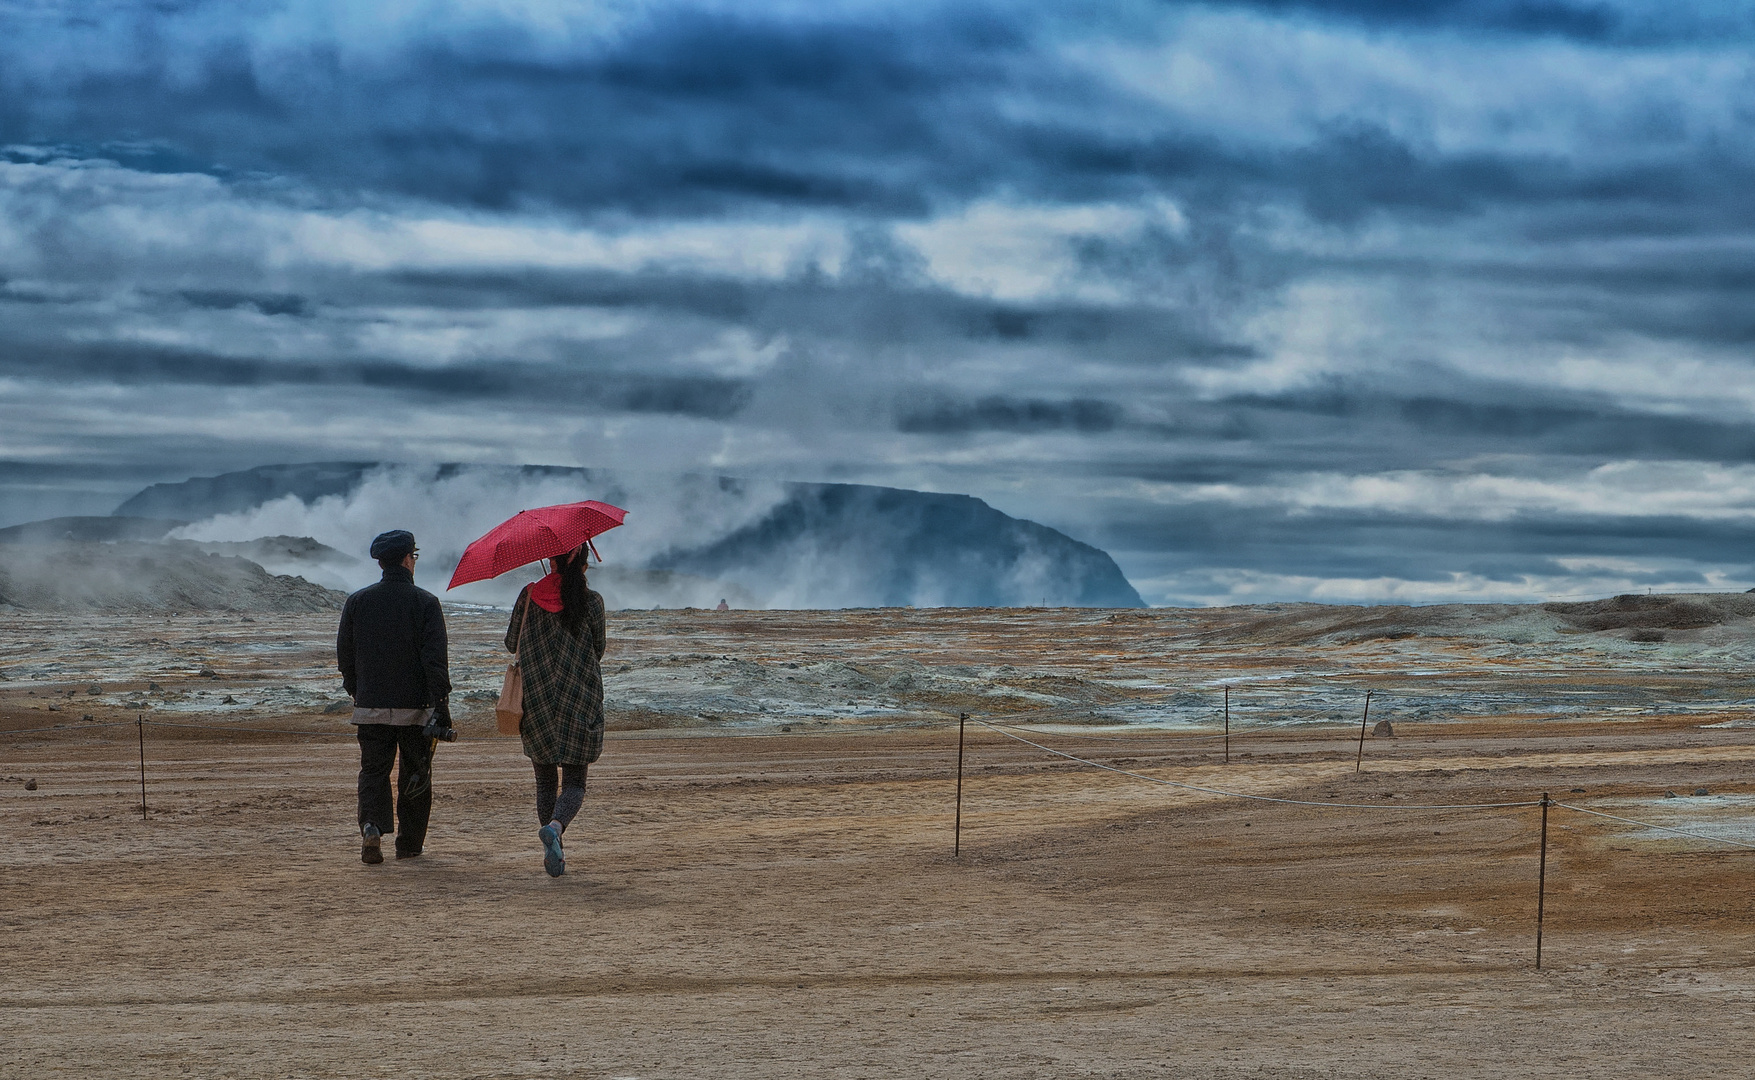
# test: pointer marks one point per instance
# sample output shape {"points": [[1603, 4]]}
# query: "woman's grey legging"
{"points": [[559, 799]]}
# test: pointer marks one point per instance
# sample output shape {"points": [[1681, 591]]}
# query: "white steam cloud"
{"points": [[446, 509]]}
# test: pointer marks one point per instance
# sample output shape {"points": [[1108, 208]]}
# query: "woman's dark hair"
{"points": [[572, 573]]}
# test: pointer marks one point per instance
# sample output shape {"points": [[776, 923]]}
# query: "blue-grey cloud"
{"points": [[494, 381], [1594, 21], [1011, 414], [689, 112], [1589, 21], [1264, 294]]}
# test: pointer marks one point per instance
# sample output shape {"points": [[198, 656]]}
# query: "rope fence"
{"points": [[1245, 795], [1009, 731], [67, 727], [1660, 828], [1545, 802], [1178, 739], [283, 731]]}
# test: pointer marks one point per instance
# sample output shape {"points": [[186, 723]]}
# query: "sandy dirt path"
{"points": [[762, 883], [787, 906]]}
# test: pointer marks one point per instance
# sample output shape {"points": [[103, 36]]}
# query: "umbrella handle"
{"points": [[593, 548]]}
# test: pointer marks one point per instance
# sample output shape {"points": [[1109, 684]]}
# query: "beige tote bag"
{"points": [[509, 711]]}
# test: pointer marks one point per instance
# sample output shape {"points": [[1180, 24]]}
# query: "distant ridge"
{"points": [[865, 546], [89, 529], [230, 493]]}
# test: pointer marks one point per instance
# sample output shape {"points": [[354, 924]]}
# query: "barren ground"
{"points": [[762, 881]]}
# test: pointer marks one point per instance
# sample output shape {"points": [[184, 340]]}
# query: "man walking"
{"points": [[392, 654]]}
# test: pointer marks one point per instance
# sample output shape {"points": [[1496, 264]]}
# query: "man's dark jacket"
{"points": [[391, 645]]}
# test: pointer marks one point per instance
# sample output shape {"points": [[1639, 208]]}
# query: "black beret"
{"points": [[395, 544]]}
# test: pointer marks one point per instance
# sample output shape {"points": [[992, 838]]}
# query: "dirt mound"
{"points": [[1298, 624], [131, 577], [1645, 618], [1670, 612], [266, 549]]}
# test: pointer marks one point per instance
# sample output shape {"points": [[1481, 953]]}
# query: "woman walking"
{"points": [[558, 632]]}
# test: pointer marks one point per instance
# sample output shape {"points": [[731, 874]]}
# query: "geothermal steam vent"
{"points": [[689, 540]]}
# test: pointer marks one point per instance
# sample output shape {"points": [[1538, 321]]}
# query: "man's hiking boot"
{"points": [[552, 858], [407, 853], [370, 853]]}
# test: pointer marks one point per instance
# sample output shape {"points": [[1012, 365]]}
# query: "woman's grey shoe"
{"points": [[553, 860], [370, 853]]}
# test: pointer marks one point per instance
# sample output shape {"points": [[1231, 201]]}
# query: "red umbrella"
{"points": [[530, 535]]}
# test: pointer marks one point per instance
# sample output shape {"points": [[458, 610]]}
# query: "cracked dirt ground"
{"points": [[747, 900]]}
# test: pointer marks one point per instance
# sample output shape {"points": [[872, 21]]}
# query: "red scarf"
{"points": [[546, 594]]}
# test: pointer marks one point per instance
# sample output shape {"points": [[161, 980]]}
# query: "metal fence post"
{"points": [[140, 733], [957, 843], [1542, 880], [1360, 761]]}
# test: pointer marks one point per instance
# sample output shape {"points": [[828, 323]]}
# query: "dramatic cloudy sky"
{"points": [[1337, 299]]}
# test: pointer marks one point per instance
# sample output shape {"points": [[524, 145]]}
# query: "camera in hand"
{"points": [[438, 726]]}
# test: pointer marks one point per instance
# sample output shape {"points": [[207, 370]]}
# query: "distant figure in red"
{"points": [[558, 632], [723, 606]]}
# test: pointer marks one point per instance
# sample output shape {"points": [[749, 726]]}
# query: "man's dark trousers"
{"points": [[379, 746]]}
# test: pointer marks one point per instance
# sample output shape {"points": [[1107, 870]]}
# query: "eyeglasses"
{"points": [[414, 554]]}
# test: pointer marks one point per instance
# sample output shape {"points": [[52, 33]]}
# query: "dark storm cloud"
{"points": [[1011, 414], [1496, 417], [1586, 21], [895, 312], [224, 300], [478, 382], [688, 112], [1412, 547], [1703, 298], [1589, 21]]}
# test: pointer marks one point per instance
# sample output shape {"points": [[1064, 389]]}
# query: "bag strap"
{"points": [[523, 622]]}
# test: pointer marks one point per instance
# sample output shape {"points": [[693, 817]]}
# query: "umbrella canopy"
{"points": [[530, 535]]}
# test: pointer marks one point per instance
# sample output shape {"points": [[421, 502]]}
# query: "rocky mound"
{"points": [[1636, 618], [269, 549], [63, 529], [1632, 612], [906, 547], [129, 577]]}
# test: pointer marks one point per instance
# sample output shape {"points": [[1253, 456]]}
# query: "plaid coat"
{"points": [[563, 682]]}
